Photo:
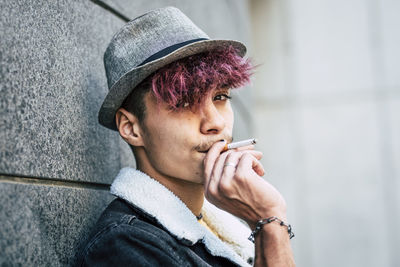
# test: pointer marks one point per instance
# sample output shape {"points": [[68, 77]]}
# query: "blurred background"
{"points": [[327, 113], [322, 104]]}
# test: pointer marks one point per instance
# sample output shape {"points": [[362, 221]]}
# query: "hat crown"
{"points": [[145, 36]]}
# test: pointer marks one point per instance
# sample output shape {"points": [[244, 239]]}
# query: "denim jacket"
{"points": [[147, 225]]}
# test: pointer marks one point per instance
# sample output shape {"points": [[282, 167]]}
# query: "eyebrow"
{"points": [[222, 90]]}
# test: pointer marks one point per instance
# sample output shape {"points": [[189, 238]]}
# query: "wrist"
{"points": [[278, 210], [271, 226], [253, 222], [273, 229]]}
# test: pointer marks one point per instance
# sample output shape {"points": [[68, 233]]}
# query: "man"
{"points": [[169, 99]]}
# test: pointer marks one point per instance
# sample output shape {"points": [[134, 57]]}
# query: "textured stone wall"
{"points": [[56, 161]]}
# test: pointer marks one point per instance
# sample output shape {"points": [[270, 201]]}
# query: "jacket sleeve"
{"points": [[125, 245]]}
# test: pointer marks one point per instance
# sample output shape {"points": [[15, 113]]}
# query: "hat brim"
{"points": [[123, 87]]}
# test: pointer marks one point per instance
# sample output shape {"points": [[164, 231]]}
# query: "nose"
{"points": [[212, 121]]}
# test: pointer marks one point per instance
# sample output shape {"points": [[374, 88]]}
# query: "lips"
{"points": [[204, 147]]}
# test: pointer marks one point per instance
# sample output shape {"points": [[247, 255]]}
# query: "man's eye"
{"points": [[182, 105], [222, 97]]}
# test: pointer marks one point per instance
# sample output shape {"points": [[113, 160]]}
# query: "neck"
{"points": [[192, 194]]}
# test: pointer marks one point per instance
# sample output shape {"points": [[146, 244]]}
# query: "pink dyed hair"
{"points": [[192, 78]]}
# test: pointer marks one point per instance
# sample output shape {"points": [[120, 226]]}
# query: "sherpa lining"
{"points": [[149, 195]]}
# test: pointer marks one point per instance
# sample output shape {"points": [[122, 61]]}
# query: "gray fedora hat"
{"points": [[146, 44]]}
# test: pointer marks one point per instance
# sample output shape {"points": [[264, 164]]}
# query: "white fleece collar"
{"points": [[155, 199]]}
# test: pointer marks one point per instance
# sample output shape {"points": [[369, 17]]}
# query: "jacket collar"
{"points": [[146, 193]]}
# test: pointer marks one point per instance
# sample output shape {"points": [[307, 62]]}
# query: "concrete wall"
{"points": [[56, 161], [327, 105]]}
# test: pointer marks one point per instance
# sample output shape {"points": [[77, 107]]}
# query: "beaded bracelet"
{"points": [[260, 224]]}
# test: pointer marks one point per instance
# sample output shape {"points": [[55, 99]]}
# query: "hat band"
{"points": [[169, 50]]}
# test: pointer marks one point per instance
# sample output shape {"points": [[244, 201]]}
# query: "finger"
{"points": [[227, 159], [219, 163], [248, 161], [259, 169], [230, 158], [210, 159], [249, 147], [257, 154], [217, 170], [229, 170]]}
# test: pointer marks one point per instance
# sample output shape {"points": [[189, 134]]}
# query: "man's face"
{"points": [[176, 142]]}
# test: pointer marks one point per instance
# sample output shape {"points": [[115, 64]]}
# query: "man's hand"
{"points": [[233, 183]]}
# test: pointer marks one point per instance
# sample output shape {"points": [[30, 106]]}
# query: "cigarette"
{"points": [[240, 144]]}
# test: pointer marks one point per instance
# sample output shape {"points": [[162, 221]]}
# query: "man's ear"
{"points": [[129, 127]]}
